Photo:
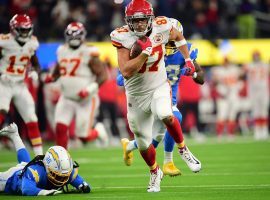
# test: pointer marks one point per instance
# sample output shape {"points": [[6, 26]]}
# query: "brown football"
{"points": [[136, 48]]}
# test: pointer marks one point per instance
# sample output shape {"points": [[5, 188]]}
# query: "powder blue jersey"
{"points": [[175, 68], [35, 179]]}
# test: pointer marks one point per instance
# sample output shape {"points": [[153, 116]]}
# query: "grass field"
{"points": [[231, 170]]}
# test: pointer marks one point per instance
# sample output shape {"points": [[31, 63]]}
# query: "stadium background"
{"points": [[236, 169]]}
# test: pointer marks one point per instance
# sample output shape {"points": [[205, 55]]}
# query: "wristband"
{"points": [[180, 43]]}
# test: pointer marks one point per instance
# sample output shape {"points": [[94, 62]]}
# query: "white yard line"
{"points": [[189, 186]]}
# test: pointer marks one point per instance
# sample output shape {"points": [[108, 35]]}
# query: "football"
{"points": [[136, 48]]}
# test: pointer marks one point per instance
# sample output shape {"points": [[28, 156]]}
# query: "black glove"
{"points": [[84, 187]]}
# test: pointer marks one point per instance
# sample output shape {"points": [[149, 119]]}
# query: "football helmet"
{"points": [[58, 165], [170, 46], [75, 34], [21, 27], [136, 11]]}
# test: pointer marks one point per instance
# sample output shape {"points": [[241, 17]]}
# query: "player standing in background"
{"points": [[258, 93], [17, 55], [227, 83], [174, 63], [146, 83], [44, 175], [80, 72]]}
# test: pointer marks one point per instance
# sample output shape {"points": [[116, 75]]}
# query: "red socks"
{"points": [[149, 155], [62, 135], [175, 131], [33, 133]]}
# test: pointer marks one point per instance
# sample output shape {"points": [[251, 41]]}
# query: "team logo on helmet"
{"points": [[21, 27]]}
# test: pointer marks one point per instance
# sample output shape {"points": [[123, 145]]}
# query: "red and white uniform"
{"points": [[148, 92], [258, 88], [75, 76], [228, 87], [13, 68]]}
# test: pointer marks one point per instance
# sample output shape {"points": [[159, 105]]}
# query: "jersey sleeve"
{"points": [[35, 43], [121, 37], [164, 26], [29, 182], [75, 179], [58, 52], [4, 38]]}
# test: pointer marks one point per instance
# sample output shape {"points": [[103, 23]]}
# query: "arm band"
{"points": [[180, 43]]}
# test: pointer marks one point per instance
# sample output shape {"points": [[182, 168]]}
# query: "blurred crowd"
{"points": [[208, 19], [226, 103]]}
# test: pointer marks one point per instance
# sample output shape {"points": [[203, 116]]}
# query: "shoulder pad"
{"points": [[162, 23], [119, 35], [4, 39]]}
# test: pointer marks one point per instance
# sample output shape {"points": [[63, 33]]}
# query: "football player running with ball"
{"points": [[147, 89], [17, 53], [48, 174], [174, 62], [80, 73]]}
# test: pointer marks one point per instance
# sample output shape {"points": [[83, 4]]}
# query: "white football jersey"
{"points": [[153, 73], [228, 80], [74, 69], [16, 58], [257, 77]]}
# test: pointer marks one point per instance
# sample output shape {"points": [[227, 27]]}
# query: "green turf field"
{"points": [[231, 170]]}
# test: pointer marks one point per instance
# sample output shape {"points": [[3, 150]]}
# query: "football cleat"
{"points": [[155, 179], [192, 162], [127, 156], [9, 130], [102, 134], [170, 169]]}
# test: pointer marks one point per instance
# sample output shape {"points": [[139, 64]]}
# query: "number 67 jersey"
{"points": [[153, 72]]}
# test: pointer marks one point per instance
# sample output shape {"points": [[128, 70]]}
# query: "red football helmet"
{"points": [[75, 34], [21, 27], [138, 10]]}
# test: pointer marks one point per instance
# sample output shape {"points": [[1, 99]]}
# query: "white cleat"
{"points": [[102, 134], [192, 162], [9, 130], [155, 179]]}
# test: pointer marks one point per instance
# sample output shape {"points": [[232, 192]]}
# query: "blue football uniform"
{"points": [[34, 179]]}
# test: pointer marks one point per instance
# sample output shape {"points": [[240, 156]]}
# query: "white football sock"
{"points": [[168, 157], [38, 150], [131, 145]]}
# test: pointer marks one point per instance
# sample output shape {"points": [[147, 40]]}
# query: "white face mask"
{"points": [[75, 42]]}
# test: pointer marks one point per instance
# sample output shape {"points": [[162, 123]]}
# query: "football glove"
{"points": [[83, 93], [190, 67], [146, 46], [84, 187]]}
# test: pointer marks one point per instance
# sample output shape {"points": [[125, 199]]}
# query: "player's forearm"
{"points": [[184, 51], [132, 66]]}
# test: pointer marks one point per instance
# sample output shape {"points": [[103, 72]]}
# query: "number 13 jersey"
{"points": [[16, 58]]}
